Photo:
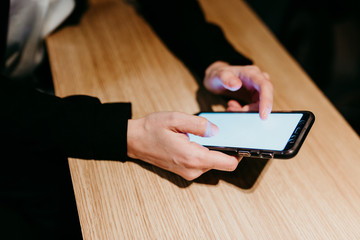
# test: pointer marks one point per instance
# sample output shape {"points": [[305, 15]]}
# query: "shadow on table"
{"points": [[245, 176]]}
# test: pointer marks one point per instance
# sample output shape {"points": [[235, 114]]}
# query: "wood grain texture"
{"points": [[114, 55]]}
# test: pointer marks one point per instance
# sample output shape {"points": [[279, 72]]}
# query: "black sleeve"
{"points": [[182, 27], [78, 126]]}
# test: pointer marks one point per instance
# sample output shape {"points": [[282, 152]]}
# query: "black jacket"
{"points": [[77, 126]]}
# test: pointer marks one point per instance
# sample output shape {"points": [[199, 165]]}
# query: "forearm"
{"points": [[183, 28], [79, 126]]}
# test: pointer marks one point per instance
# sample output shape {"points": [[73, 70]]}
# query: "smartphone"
{"points": [[246, 134]]}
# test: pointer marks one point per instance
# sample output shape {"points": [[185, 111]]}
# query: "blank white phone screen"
{"points": [[248, 130]]}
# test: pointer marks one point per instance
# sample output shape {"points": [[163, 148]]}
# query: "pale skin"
{"points": [[241, 82], [161, 138]]}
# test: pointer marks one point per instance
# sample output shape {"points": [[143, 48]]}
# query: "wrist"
{"points": [[132, 137]]}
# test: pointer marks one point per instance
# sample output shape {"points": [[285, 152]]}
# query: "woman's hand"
{"points": [[246, 83], [161, 139]]}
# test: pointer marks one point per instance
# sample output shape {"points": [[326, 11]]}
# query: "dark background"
{"points": [[323, 36]]}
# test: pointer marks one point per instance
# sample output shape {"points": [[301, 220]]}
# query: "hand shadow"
{"points": [[245, 176]]}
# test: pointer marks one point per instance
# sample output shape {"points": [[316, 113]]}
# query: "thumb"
{"points": [[196, 125]]}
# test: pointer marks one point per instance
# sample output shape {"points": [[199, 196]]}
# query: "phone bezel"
{"points": [[289, 151]]}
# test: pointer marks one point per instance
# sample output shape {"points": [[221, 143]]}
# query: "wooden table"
{"points": [[113, 54]]}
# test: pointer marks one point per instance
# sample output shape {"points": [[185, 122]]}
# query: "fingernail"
{"points": [[211, 130], [265, 113]]}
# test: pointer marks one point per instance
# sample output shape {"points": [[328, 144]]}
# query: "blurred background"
{"points": [[323, 36]]}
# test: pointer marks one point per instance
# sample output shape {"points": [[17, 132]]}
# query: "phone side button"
{"points": [[267, 155], [244, 153]]}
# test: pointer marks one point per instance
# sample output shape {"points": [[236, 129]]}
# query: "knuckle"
{"points": [[269, 86], [173, 118], [189, 164], [188, 160], [254, 68], [192, 160], [266, 75]]}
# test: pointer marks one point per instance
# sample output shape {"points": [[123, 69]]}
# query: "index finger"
{"points": [[266, 96], [262, 84], [195, 125]]}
